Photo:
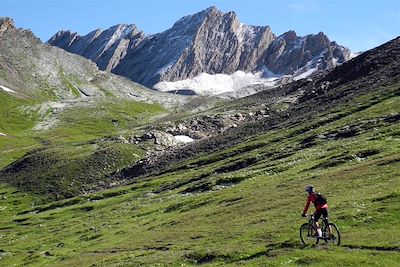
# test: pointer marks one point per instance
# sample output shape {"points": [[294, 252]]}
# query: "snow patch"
{"points": [[7, 89], [305, 74], [311, 67], [183, 138], [215, 84], [355, 54], [335, 61]]}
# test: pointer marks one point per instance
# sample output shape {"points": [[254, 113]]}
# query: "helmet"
{"points": [[309, 188]]}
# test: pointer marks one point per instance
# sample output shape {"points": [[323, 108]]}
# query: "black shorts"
{"points": [[318, 213]]}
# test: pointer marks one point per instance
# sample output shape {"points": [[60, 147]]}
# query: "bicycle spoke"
{"points": [[308, 234], [332, 236]]}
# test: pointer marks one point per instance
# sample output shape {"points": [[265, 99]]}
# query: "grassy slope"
{"points": [[104, 118], [70, 157], [222, 209], [14, 121], [44, 75]]}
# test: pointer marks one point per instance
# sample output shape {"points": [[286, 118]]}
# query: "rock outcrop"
{"points": [[6, 23], [106, 48], [290, 53], [209, 41]]}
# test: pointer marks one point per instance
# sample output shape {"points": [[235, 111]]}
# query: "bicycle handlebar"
{"points": [[309, 216]]}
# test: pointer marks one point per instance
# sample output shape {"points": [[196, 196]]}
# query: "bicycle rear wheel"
{"points": [[308, 234], [334, 236]]}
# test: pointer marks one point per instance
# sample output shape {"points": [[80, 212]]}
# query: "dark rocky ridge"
{"points": [[209, 41]]}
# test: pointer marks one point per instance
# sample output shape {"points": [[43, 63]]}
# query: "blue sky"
{"points": [[357, 24]]}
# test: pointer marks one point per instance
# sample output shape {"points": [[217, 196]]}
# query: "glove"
{"points": [[303, 215]]}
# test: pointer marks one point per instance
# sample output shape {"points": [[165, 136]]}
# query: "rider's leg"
{"points": [[317, 215], [325, 218]]}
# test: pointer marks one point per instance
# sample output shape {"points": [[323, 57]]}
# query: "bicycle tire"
{"points": [[335, 237], [307, 233]]}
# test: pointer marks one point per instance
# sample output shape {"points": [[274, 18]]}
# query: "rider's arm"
{"points": [[307, 205]]}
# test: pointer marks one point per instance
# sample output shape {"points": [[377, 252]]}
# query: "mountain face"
{"points": [[209, 41], [32, 69], [290, 53], [106, 48]]}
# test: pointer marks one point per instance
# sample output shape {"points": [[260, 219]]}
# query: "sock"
{"points": [[319, 232]]}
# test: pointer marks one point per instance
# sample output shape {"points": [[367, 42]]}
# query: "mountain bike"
{"points": [[309, 234]]}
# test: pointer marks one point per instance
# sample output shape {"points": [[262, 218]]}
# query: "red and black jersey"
{"points": [[313, 198]]}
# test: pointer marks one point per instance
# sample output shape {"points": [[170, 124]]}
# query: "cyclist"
{"points": [[321, 207]]}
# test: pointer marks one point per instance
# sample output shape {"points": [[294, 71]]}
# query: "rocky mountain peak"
{"points": [[105, 47], [61, 33], [196, 19], [290, 36], [209, 41], [292, 54], [212, 11], [6, 23], [214, 14], [9, 31], [123, 31], [64, 38], [317, 41]]}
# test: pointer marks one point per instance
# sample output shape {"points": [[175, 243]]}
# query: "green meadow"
{"points": [[240, 206]]}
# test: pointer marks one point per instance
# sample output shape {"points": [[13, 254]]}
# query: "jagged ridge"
{"points": [[209, 41]]}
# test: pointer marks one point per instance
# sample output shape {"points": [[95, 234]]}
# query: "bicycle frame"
{"points": [[329, 231], [312, 222]]}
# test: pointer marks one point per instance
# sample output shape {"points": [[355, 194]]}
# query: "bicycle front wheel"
{"points": [[332, 234], [308, 234]]}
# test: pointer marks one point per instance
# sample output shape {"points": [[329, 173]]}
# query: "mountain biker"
{"points": [[321, 207]]}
